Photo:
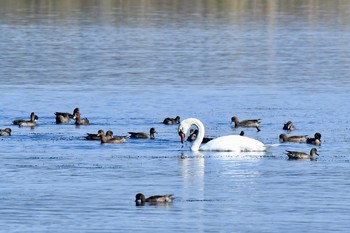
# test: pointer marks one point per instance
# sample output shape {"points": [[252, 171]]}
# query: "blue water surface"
{"points": [[127, 66]]}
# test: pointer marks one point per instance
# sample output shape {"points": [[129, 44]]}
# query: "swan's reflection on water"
{"points": [[239, 169], [192, 172], [194, 166]]}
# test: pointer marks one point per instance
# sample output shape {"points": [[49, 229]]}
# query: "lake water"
{"points": [[129, 64]]}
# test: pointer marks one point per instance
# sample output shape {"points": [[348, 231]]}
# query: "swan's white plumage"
{"points": [[234, 143]]}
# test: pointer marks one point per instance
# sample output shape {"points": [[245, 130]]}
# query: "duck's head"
{"points": [[109, 133], [318, 136], [313, 151], [234, 119], [76, 110], [282, 136], [33, 117], [152, 131], [100, 132], [140, 199]]}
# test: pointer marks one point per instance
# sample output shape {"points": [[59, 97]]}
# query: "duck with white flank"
{"points": [[32, 122]]}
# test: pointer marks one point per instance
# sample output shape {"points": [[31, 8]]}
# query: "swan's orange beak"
{"points": [[182, 136]]}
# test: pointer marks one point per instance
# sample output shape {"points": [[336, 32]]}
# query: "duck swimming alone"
{"points": [[31, 122], [246, 123], [140, 199], [152, 131], [302, 155], [171, 121], [64, 117]]}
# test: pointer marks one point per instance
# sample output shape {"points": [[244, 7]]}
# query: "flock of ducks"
{"points": [[107, 137], [316, 140], [64, 118], [289, 126]]}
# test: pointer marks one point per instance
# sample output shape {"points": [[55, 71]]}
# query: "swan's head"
{"points": [[182, 136], [182, 130], [185, 125]]}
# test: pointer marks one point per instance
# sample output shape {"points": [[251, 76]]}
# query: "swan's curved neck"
{"points": [[201, 132]]}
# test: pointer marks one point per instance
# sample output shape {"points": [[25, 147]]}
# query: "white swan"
{"points": [[234, 143]]}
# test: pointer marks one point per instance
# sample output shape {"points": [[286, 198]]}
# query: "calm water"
{"points": [[129, 64]]}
